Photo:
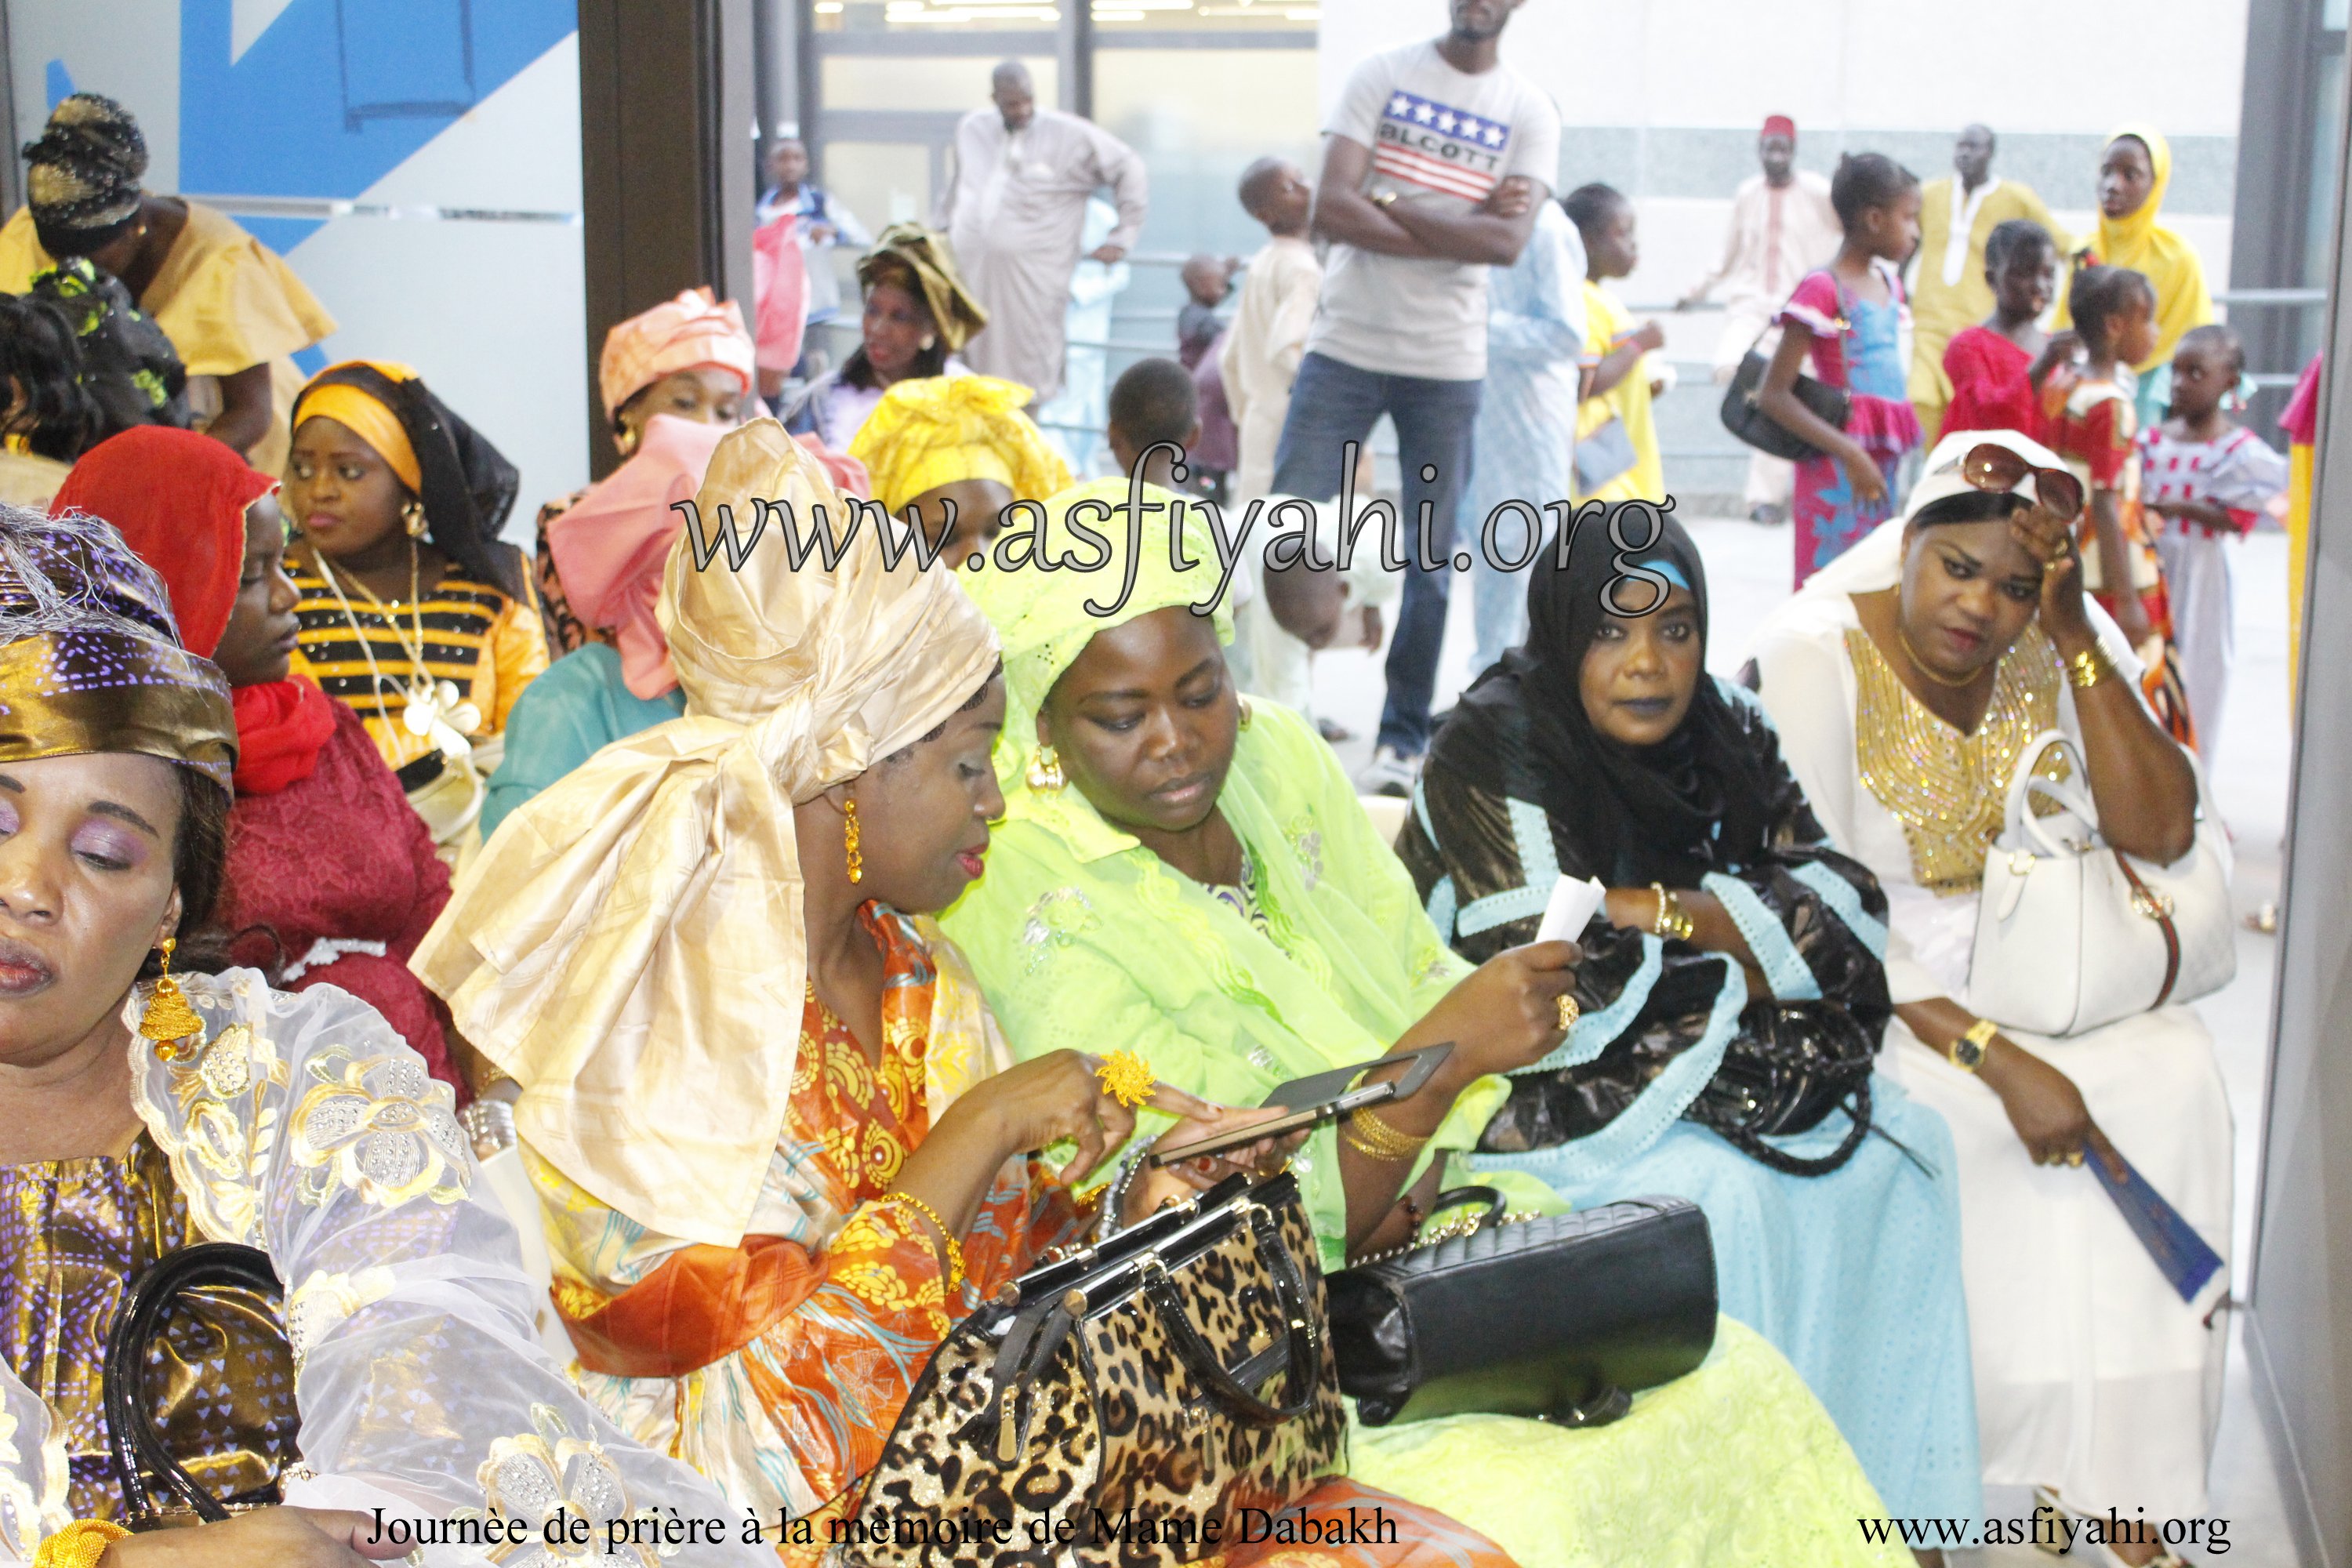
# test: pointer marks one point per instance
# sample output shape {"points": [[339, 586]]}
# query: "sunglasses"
{"points": [[1993, 467]]}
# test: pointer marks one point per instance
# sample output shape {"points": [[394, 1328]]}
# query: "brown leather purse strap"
{"points": [[2147, 901]]}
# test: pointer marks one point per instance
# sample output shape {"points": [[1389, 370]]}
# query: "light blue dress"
{"points": [[574, 709], [1524, 445], [1853, 1275]]}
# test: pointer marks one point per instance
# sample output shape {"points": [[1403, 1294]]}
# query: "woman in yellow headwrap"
{"points": [[918, 315], [958, 450], [411, 610], [2133, 172]]}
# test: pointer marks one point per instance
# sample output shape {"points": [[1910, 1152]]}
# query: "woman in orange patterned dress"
{"points": [[760, 1240]]}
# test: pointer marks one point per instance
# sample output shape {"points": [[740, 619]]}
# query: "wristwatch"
{"points": [[1968, 1052]]}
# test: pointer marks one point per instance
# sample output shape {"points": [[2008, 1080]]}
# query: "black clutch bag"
{"points": [[1559, 1317], [144, 1462], [1746, 418]]}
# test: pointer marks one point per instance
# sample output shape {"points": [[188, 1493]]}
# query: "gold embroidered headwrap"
{"points": [[89, 656], [629, 944], [919, 260]]}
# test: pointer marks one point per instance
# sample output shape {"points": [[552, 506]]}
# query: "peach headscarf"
{"points": [[630, 946], [685, 333]]}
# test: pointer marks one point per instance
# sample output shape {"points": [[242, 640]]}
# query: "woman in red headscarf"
{"points": [[331, 877]]}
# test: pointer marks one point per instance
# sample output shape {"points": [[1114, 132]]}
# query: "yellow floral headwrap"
{"points": [[630, 945], [1046, 617], [935, 430]]}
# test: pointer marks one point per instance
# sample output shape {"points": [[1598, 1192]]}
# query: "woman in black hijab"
{"points": [[1731, 992]]}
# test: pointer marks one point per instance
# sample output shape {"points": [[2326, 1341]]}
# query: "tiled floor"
{"points": [[1748, 573]]}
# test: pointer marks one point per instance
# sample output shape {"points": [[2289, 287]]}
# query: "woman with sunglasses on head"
{"points": [[1907, 681]]}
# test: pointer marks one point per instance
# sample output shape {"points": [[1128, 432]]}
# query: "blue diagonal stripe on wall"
{"points": [[337, 93]]}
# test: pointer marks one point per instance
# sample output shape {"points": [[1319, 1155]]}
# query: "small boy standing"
{"points": [[2207, 479], [1268, 335]]}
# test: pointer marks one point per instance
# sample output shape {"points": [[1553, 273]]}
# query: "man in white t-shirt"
{"points": [[1433, 165]]}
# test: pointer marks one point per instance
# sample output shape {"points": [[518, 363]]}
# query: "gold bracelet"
{"points": [[1672, 920], [79, 1545], [1374, 1139], [2086, 669], [946, 1236]]}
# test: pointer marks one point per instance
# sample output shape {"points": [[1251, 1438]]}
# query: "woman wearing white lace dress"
{"points": [[1907, 680]]}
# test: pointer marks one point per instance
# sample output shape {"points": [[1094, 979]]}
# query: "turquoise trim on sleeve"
{"points": [[1846, 904], [1739, 696], [1790, 978], [1441, 907], [1594, 1030], [1538, 864], [1657, 1108]]}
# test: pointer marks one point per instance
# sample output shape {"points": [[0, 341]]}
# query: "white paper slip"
{"points": [[1573, 901]]}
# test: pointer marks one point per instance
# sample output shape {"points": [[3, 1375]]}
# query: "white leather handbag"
{"points": [[2073, 933]]}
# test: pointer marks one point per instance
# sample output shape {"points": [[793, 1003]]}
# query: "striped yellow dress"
{"points": [[474, 637]]}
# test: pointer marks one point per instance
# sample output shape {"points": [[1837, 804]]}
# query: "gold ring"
{"points": [[1126, 1078], [1569, 1012], [2075, 1158]]}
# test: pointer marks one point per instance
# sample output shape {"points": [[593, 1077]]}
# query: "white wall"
{"points": [[489, 312], [1676, 89]]}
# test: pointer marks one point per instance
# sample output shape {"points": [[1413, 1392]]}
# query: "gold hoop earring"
{"points": [[168, 1016], [1046, 770], [849, 839], [412, 516]]}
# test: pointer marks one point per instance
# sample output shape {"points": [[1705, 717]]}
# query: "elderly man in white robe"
{"points": [[1015, 210]]}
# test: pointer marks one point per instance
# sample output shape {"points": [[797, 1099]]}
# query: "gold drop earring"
{"points": [[849, 838], [412, 517], [1046, 770], [168, 1017]]}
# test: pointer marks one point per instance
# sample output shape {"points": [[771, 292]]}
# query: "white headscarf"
{"points": [[629, 945]]}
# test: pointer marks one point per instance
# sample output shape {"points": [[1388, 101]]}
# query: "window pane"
{"points": [[1237, 15], [957, 82], [935, 15], [881, 181]]}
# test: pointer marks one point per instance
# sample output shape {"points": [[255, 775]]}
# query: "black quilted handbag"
{"points": [[1559, 1317], [144, 1462], [1111, 1404]]}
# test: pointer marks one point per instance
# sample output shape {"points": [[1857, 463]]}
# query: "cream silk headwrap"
{"points": [[629, 945]]}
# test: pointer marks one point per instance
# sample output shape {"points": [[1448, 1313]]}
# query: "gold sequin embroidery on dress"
{"points": [[1948, 790]]}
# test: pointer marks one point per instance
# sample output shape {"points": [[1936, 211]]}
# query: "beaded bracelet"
{"points": [[79, 1545], [946, 1236]]}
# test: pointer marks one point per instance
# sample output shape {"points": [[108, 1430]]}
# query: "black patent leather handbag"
{"points": [[1785, 1071], [144, 1462], [1563, 1317], [1744, 416]]}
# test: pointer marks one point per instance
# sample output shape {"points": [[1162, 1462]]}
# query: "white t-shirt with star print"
{"points": [[1440, 135]]}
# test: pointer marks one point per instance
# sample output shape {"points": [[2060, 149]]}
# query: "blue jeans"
{"points": [[1333, 404]]}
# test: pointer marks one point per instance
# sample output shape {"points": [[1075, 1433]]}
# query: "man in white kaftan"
{"points": [[1015, 210]]}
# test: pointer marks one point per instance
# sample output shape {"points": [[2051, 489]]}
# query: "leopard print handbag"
{"points": [[1122, 1407]]}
